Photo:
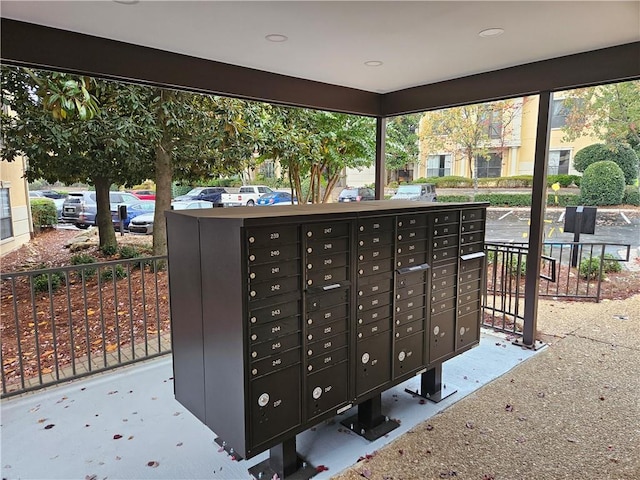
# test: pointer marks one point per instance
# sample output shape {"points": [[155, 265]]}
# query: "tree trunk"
{"points": [[163, 178], [106, 233]]}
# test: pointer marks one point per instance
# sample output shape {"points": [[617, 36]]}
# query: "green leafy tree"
{"points": [[621, 154], [602, 184], [316, 145], [75, 145], [402, 141]]}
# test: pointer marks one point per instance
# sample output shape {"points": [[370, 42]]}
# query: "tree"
{"points": [[608, 112], [621, 154], [318, 145], [470, 131], [402, 141], [75, 144]]}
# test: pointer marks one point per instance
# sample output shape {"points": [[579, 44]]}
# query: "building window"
{"points": [[558, 162], [6, 228], [267, 169], [438, 165], [495, 125], [559, 114], [489, 167]]}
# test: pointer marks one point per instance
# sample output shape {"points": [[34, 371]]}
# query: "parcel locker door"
{"points": [[373, 362], [327, 390], [274, 405], [442, 335], [408, 355]]}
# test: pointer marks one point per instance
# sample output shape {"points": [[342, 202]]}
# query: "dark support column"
{"points": [[538, 200], [369, 422], [381, 173], [283, 463], [431, 386]]}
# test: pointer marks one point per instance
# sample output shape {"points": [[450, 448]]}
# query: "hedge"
{"points": [[43, 213], [512, 199], [631, 195]]}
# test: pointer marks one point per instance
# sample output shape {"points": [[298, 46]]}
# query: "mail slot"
{"points": [[275, 362], [376, 224], [326, 359], [274, 347], [277, 328], [376, 253], [410, 221], [409, 316], [318, 333], [277, 253], [267, 272], [444, 242], [326, 246], [277, 235], [273, 312], [327, 230]]}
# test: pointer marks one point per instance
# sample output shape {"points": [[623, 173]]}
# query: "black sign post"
{"points": [[579, 220], [122, 215]]}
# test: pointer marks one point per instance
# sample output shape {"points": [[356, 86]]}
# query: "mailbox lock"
{"points": [[461, 330], [309, 337], [254, 354], [309, 250], [317, 392], [309, 352], [309, 266], [254, 371], [436, 330], [252, 257], [365, 358], [310, 321], [251, 239], [252, 276], [402, 356], [309, 234], [254, 319], [310, 367], [254, 337], [263, 400]]}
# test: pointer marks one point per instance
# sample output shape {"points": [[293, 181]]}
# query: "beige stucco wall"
{"points": [[11, 178]]}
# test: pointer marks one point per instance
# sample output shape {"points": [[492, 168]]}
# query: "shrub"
{"points": [[41, 282], [83, 259], [108, 273], [563, 179], [453, 198], [129, 251], [505, 199], [109, 250], [631, 195], [450, 182], [517, 181], [622, 155], [590, 267], [43, 213], [602, 184]]}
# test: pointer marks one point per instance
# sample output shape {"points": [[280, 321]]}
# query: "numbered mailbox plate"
{"points": [[277, 253], [272, 236], [326, 230]]}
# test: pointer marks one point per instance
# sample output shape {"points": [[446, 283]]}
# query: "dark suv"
{"points": [[210, 194], [80, 208], [356, 194]]}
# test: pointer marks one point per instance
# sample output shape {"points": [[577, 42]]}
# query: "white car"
{"points": [[144, 223]]}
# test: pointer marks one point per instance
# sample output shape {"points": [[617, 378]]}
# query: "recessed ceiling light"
{"points": [[276, 37], [373, 63], [491, 32]]}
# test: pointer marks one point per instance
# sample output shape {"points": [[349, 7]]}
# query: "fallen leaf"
{"points": [[130, 437], [366, 473], [91, 477], [152, 464], [321, 468], [111, 347], [117, 436], [429, 427], [42, 420], [509, 408], [179, 444], [49, 427], [469, 425]]}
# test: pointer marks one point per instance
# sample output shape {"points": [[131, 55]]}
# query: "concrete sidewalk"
{"points": [[572, 411]]}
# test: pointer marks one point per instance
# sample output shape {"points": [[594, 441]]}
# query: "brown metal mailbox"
{"points": [[283, 317]]}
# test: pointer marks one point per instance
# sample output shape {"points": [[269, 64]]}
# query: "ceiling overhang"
{"points": [[49, 48]]}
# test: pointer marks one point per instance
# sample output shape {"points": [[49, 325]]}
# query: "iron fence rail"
{"points": [[64, 323], [572, 270]]}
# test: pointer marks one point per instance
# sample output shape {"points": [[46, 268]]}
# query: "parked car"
{"points": [[80, 208], [210, 194], [356, 194], [133, 210], [144, 194], [277, 198], [144, 223], [46, 193], [247, 195], [422, 192]]}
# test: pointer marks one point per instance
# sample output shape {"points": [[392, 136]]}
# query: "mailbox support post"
{"points": [[369, 422], [431, 386], [283, 463], [576, 236]]}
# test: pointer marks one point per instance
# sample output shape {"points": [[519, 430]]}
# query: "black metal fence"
{"points": [[64, 323], [567, 270]]}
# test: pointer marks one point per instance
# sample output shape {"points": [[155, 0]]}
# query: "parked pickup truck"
{"points": [[422, 192], [247, 195]]}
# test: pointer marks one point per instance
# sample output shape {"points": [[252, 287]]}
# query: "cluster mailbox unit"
{"points": [[285, 316]]}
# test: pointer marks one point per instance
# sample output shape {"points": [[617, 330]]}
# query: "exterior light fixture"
{"points": [[491, 32], [276, 37], [373, 63]]}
